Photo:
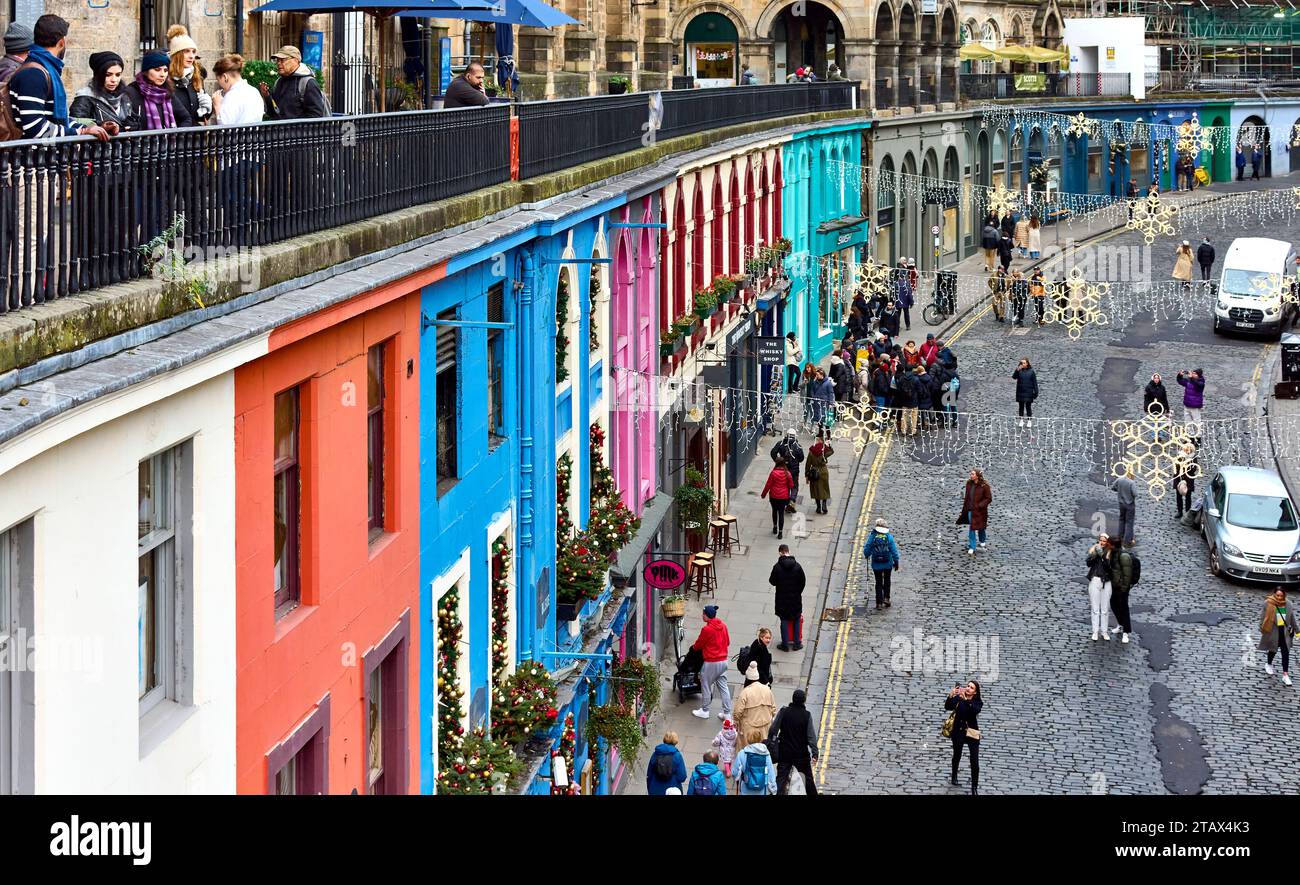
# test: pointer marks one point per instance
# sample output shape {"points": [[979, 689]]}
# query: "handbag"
{"points": [[972, 734], [963, 518], [814, 474], [946, 731]]}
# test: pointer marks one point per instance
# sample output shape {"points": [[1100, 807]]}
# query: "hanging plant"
{"points": [[480, 766], [618, 726], [593, 323], [561, 325], [636, 680], [611, 524], [694, 501]]}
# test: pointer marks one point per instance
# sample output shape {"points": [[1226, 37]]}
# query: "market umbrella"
{"points": [[1011, 53], [525, 13], [381, 10], [1043, 55], [507, 76], [974, 52]]}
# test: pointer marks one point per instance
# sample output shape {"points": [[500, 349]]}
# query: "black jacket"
{"points": [[788, 579], [967, 714], [292, 100], [759, 654], [989, 237], [187, 95], [1004, 249], [460, 94], [179, 110], [880, 384], [88, 104], [889, 322], [795, 734], [1155, 393], [1098, 566], [1205, 254], [1008, 225], [842, 376], [904, 389], [1026, 385], [792, 452], [922, 390]]}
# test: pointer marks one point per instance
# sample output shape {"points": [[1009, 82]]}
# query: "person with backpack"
{"points": [[789, 580], [755, 770], [1038, 290], [1125, 572], [1026, 392], [757, 656], [882, 550], [296, 95], [708, 779], [725, 743], [754, 708], [790, 450], [667, 768], [794, 734], [793, 357], [18, 41], [989, 242], [33, 102]]}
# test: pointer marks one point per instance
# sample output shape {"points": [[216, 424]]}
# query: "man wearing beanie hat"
{"points": [[36, 89], [713, 642], [18, 42], [882, 550], [296, 95], [795, 736]]}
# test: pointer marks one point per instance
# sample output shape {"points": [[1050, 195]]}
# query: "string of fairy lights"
{"points": [[1157, 448], [1188, 136]]}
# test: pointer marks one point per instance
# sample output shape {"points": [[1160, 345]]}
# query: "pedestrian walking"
{"points": [[818, 473], [906, 402], [1038, 292], [1155, 399], [1193, 385], [975, 510], [755, 771], [905, 299], [1241, 162], [1126, 492], [795, 736], [1007, 225], [714, 643], [1020, 236], [778, 489], [1035, 237], [1183, 265], [842, 378], [1205, 257], [747, 77], [821, 402], [1256, 162], [1019, 297], [725, 743], [757, 659], [882, 551], [187, 76], [1124, 569], [667, 768], [998, 284], [707, 779], [789, 580], [989, 242], [793, 357], [296, 94], [754, 709], [1004, 251], [1185, 471], [1099, 588], [965, 703], [1026, 392], [1277, 633], [789, 449]]}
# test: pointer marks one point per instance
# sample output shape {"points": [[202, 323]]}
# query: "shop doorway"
{"points": [[712, 50]]}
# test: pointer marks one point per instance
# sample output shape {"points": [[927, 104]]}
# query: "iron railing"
{"points": [[75, 213], [555, 135], [1055, 85]]}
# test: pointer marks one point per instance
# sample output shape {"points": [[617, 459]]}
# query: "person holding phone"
{"points": [[966, 703]]}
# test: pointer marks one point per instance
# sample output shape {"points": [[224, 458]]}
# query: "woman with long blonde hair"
{"points": [[187, 76]]}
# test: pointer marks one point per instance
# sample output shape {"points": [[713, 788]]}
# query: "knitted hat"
{"points": [[102, 61], [710, 611], [154, 58], [179, 40], [18, 38], [751, 672]]}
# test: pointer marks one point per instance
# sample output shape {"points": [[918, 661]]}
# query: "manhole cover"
{"points": [[835, 614]]}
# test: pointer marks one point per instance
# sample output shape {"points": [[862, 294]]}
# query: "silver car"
{"points": [[1249, 523]]}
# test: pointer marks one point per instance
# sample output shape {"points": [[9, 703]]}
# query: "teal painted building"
{"points": [[823, 219]]}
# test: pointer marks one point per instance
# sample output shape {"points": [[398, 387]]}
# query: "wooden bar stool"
{"points": [[733, 529], [721, 541], [703, 576]]}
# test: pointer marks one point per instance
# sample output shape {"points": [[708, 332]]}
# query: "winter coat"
{"points": [[881, 563], [842, 378], [91, 104], [905, 297], [1268, 634], [656, 787], [779, 483], [989, 237], [1183, 265], [795, 733], [789, 580], [1021, 235], [1008, 225], [1193, 391], [1155, 392], [967, 714], [880, 384], [742, 760], [904, 389], [753, 709], [922, 388], [714, 642], [1026, 385], [1004, 250], [1098, 564], [136, 100], [1121, 571], [1035, 238], [889, 321], [293, 100], [708, 771], [1241, 160], [929, 353], [759, 654], [819, 488], [789, 449], [1205, 254], [187, 95], [793, 355], [823, 396], [725, 741], [976, 502]]}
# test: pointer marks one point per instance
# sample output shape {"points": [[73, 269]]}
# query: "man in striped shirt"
{"points": [[36, 90]]}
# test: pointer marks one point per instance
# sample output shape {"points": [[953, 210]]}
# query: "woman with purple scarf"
{"points": [[153, 93]]}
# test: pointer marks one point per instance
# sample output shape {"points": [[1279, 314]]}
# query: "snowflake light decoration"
{"points": [[1274, 285], [1295, 191], [1001, 201], [1193, 138], [1082, 304], [872, 278], [1156, 450], [1150, 217], [861, 424], [1080, 126]]}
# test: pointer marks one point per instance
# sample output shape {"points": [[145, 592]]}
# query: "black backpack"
{"points": [[664, 767], [742, 659]]}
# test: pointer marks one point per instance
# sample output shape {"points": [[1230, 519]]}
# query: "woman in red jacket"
{"points": [[779, 484]]}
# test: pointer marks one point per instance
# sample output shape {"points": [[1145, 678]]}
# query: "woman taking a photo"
{"points": [[965, 703]]}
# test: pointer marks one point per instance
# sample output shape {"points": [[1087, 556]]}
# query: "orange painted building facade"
{"points": [[327, 551]]}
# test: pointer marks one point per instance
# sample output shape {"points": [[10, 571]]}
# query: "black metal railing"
{"points": [[75, 212], [1054, 85], [555, 135]]}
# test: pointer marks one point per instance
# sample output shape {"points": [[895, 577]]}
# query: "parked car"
{"points": [[1249, 524]]}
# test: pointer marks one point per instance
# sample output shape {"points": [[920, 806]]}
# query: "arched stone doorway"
{"points": [[886, 212], [814, 39], [951, 214], [712, 50], [949, 43], [886, 57], [907, 214], [1254, 131], [929, 216]]}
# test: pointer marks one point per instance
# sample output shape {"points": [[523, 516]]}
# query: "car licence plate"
{"points": [[1266, 570], [1245, 325]]}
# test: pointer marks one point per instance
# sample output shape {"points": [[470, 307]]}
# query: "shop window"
{"points": [[288, 496], [496, 360], [376, 444], [446, 390]]}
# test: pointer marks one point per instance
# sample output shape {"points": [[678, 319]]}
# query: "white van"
{"points": [[1243, 302]]}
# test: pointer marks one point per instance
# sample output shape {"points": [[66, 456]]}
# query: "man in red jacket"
{"points": [[929, 350], [714, 642]]}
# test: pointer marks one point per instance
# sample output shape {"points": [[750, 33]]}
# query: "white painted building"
{"points": [[125, 598], [1109, 46]]}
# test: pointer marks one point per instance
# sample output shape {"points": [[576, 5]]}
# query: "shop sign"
{"points": [[771, 351], [664, 574]]}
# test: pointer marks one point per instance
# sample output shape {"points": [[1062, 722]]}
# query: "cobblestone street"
{"points": [[1185, 708]]}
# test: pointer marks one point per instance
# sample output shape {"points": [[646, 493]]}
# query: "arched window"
{"points": [[999, 159], [1016, 164], [777, 186], [733, 219], [715, 226], [748, 208], [765, 202], [885, 214], [677, 298], [698, 236]]}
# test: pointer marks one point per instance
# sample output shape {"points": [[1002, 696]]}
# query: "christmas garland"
{"points": [[501, 555], [450, 712], [524, 704], [563, 475], [593, 325], [561, 321], [478, 761], [568, 743], [611, 524], [597, 757], [579, 562]]}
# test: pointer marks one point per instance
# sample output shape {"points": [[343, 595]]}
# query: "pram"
{"points": [[686, 681]]}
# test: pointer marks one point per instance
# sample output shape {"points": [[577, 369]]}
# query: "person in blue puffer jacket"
{"points": [[882, 550], [667, 768]]}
